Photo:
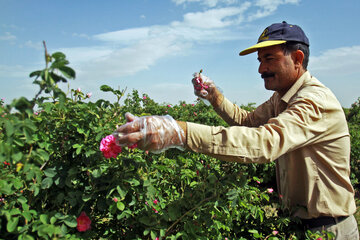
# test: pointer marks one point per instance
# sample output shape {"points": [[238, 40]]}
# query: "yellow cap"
{"points": [[261, 45]]}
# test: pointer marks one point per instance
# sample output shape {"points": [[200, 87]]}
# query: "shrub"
{"points": [[53, 176], [353, 117]]}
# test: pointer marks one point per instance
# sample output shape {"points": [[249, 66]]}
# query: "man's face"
{"points": [[277, 70]]}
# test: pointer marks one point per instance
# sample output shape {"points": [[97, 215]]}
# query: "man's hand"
{"points": [[205, 88], [153, 133]]}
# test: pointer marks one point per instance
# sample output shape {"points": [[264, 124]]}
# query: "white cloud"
{"points": [[216, 18], [268, 7], [7, 37], [126, 36], [337, 61], [82, 55], [126, 61]]}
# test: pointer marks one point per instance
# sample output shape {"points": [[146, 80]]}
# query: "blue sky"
{"points": [[154, 46]]}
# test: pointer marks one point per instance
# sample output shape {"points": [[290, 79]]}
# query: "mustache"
{"points": [[267, 74]]}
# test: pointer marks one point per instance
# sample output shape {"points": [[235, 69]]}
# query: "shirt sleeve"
{"points": [[299, 124], [235, 116]]}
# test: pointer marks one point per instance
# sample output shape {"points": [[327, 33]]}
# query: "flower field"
{"points": [[61, 177]]}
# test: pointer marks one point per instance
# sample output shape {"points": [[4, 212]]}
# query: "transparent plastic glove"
{"points": [[205, 88], [202, 85], [153, 133]]}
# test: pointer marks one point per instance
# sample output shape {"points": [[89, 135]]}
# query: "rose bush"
{"points": [[52, 172]]}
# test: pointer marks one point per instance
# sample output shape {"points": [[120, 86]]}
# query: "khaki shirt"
{"points": [[305, 131]]}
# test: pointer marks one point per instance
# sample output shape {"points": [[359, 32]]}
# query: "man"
{"points": [[302, 126]]}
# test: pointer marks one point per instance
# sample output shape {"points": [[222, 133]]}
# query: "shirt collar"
{"points": [[295, 87]]}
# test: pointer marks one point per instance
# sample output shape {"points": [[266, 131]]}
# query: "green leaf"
{"points": [[67, 72], [120, 205], [12, 224], [134, 182], [46, 183], [9, 128], [153, 235], [17, 183], [43, 154], [22, 200], [30, 125], [70, 221], [46, 229], [124, 214], [17, 156], [52, 220], [106, 88], [25, 237], [96, 173], [27, 215], [14, 211], [50, 172], [86, 197], [28, 135], [35, 73], [121, 192], [44, 218], [146, 232], [58, 55]]}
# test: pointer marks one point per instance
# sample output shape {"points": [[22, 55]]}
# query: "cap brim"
{"points": [[261, 45]]}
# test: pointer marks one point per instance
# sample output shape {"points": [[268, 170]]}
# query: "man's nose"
{"points": [[262, 68]]}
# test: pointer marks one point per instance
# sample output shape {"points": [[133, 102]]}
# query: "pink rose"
{"points": [[270, 190], [109, 148], [83, 222]]}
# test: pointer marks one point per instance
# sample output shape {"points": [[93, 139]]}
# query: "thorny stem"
{"points": [[47, 60]]}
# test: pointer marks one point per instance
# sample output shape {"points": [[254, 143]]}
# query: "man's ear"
{"points": [[298, 58]]}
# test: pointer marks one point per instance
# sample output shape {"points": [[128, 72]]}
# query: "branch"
{"points": [[177, 221]]}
